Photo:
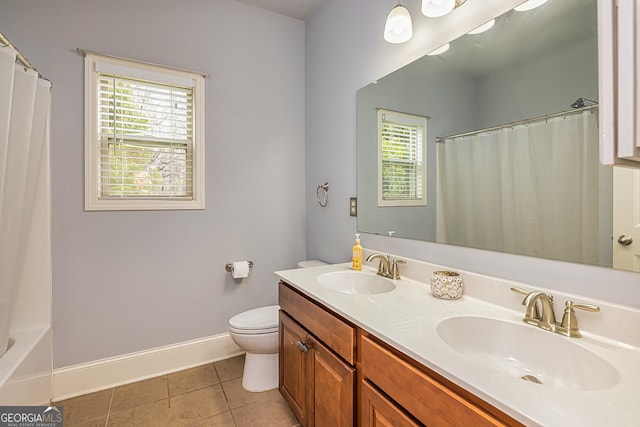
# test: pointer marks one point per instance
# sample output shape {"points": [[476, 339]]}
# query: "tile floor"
{"points": [[208, 395]]}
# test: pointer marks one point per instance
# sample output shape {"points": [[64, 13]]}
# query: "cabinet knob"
{"points": [[302, 346]]}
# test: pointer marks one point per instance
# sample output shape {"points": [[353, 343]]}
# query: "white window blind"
{"points": [[144, 139], [402, 159], [145, 131]]}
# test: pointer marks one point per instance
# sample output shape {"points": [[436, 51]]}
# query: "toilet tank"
{"points": [[311, 263]]}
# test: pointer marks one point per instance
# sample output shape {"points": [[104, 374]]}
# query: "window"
{"points": [[144, 136], [402, 175]]}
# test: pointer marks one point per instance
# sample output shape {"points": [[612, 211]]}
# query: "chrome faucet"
{"points": [[387, 268], [543, 317]]}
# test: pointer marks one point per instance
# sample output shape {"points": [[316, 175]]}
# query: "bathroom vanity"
{"points": [[321, 388], [398, 356], [317, 359]]}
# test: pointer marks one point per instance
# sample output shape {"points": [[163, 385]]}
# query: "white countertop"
{"points": [[406, 318]]}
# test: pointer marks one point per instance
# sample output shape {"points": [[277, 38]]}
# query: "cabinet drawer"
{"points": [[424, 397], [332, 331], [377, 411]]}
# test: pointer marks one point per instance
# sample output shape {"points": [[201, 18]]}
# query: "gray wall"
{"points": [[130, 281], [531, 91], [341, 62]]}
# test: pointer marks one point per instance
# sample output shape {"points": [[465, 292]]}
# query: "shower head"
{"points": [[580, 103]]}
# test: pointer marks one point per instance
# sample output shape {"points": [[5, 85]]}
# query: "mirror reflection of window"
{"points": [[402, 172]]}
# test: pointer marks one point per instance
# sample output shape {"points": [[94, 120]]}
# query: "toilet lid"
{"points": [[260, 320]]}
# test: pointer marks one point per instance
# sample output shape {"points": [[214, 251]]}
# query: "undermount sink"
{"points": [[527, 352], [356, 282]]}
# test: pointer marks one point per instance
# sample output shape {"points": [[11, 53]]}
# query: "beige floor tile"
{"points": [[271, 412], [197, 405], [221, 420], [139, 393], [98, 422], [192, 379], [237, 396], [230, 369], [88, 408], [151, 414]]}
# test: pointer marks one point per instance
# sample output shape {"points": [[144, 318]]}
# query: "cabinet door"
{"points": [[619, 91], [333, 384], [628, 90], [293, 367], [378, 411]]}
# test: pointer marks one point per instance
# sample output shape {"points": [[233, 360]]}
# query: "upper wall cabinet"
{"points": [[619, 71]]}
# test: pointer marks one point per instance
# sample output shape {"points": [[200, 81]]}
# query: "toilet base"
{"points": [[260, 372]]}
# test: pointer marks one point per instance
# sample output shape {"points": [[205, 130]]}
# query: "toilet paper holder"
{"points": [[229, 266]]}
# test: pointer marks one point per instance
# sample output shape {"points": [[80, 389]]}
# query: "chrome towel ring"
{"points": [[322, 194]]}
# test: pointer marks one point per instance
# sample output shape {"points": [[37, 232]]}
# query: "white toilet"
{"points": [[256, 332]]}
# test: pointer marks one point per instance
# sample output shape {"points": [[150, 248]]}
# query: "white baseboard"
{"points": [[86, 378]]}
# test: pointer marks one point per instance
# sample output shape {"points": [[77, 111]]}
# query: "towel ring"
{"points": [[322, 194]]}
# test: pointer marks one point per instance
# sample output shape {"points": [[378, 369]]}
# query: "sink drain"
{"points": [[531, 378]]}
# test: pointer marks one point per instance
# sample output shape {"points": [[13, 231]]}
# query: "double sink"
{"points": [[508, 347]]}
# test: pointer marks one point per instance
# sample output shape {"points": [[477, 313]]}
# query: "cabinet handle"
{"points": [[302, 346]]}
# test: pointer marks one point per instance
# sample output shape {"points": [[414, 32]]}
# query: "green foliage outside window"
{"points": [[137, 157]]}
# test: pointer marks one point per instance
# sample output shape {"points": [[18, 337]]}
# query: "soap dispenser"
{"points": [[356, 257]]}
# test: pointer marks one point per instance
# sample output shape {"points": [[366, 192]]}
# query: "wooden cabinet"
{"points": [[293, 367], [376, 410], [318, 361], [318, 384], [429, 398]]}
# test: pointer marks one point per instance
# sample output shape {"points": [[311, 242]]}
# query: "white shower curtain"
{"points": [[530, 189], [24, 132]]}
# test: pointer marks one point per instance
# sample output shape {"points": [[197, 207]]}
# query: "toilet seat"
{"points": [[262, 320]]}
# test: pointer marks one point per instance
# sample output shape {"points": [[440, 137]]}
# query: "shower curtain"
{"points": [[512, 189], [24, 132]]}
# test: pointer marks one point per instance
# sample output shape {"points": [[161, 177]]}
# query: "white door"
{"points": [[626, 218]]}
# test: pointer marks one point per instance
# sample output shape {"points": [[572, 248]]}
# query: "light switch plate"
{"points": [[353, 206]]}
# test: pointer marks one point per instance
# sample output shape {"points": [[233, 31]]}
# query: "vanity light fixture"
{"points": [[398, 28], [438, 8], [438, 51], [528, 5], [482, 28]]}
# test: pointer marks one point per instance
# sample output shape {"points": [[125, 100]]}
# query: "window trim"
{"points": [[410, 120], [92, 202]]}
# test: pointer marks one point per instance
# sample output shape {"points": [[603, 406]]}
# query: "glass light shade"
{"points": [[482, 28], [438, 51], [528, 5], [437, 8], [398, 28]]}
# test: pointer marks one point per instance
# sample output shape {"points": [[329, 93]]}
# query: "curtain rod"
{"points": [[5, 41], [84, 52], [402, 112], [441, 139]]}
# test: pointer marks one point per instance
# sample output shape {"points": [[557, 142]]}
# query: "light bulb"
{"points": [[528, 5], [438, 51], [437, 8], [482, 28], [398, 28]]}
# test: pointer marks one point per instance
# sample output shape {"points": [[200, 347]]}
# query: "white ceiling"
{"points": [[299, 9]]}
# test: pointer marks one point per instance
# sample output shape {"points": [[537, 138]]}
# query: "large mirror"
{"points": [[516, 167]]}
